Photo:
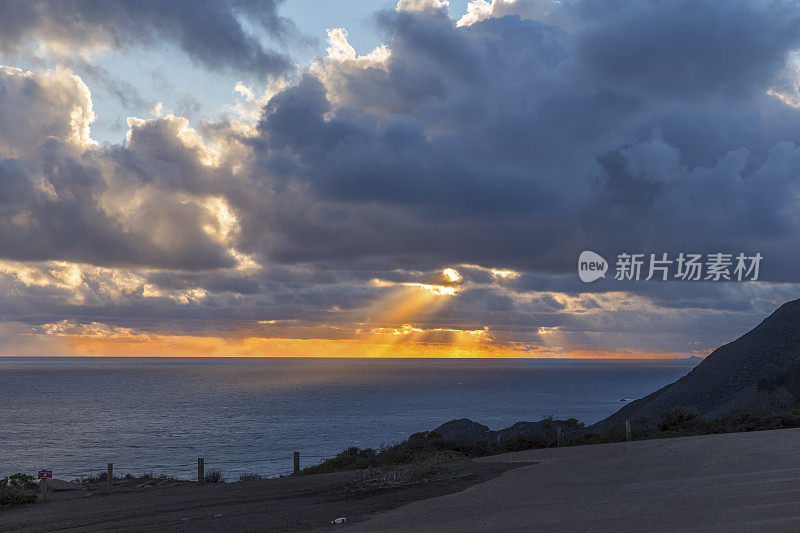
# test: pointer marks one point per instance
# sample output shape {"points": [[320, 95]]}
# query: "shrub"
{"points": [[17, 489], [418, 446], [101, 477], [352, 458], [214, 476], [678, 420]]}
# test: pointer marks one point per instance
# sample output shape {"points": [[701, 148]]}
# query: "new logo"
{"points": [[591, 266]]}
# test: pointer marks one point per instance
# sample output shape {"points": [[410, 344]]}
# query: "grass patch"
{"points": [[440, 467], [252, 477], [101, 478]]}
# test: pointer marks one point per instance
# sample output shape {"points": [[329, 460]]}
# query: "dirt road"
{"points": [[733, 482], [288, 504]]}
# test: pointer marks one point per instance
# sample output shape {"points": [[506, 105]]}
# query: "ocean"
{"points": [[248, 415]]}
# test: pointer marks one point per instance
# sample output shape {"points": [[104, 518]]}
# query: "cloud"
{"points": [[36, 107], [523, 142], [735, 49], [478, 10], [210, 32], [65, 198], [421, 5], [500, 145]]}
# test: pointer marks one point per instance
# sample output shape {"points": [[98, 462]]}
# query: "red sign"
{"points": [[45, 474]]}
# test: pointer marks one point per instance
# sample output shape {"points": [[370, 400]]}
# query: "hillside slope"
{"points": [[729, 375]]}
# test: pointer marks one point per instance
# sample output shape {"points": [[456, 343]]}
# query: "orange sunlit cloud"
{"points": [[411, 300], [401, 322], [184, 345]]}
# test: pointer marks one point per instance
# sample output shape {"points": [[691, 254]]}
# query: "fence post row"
{"points": [[200, 471]]}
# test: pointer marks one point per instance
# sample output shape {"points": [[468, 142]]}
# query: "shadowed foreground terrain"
{"points": [[726, 482], [304, 503], [738, 481]]}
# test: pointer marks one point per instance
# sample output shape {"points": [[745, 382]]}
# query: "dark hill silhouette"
{"points": [[465, 430], [767, 355]]}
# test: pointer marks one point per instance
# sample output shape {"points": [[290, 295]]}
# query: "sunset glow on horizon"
{"points": [[389, 327], [465, 344], [402, 323]]}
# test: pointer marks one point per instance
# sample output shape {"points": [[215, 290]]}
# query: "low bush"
{"points": [[214, 476], [679, 420], [17, 489], [417, 447], [101, 478]]}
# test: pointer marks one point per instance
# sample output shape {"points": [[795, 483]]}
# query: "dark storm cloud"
{"points": [[686, 48], [518, 142], [209, 31]]}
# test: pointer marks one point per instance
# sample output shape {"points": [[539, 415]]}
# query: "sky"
{"points": [[393, 179]]}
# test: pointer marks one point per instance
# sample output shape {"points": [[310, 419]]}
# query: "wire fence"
{"points": [[210, 464]]}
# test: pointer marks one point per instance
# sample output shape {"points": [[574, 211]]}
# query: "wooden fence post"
{"points": [[628, 435], [296, 463], [109, 478], [201, 475]]}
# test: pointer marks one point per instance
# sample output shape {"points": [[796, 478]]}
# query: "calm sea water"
{"points": [[73, 415]]}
